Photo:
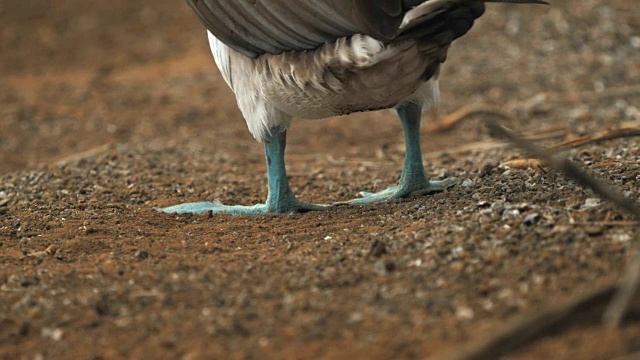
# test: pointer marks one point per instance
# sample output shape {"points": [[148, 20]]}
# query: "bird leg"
{"points": [[280, 198], [414, 180]]}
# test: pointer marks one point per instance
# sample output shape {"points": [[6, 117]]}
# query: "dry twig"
{"points": [[453, 119], [83, 154], [50, 250], [610, 162], [583, 96], [611, 303], [522, 163], [608, 223], [597, 138], [629, 289], [583, 309], [569, 169], [634, 356]]}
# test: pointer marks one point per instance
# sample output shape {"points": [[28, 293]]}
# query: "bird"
{"points": [[313, 59]]}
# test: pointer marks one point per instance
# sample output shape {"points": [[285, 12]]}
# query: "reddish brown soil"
{"points": [[108, 109]]}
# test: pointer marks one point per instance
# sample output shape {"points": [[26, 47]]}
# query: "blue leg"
{"points": [[414, 180], [280, 198]]}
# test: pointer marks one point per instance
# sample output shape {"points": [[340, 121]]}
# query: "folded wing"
{"points": [[255, 27]]}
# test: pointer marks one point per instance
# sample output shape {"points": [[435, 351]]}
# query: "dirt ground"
{"points": [[109, 109]]}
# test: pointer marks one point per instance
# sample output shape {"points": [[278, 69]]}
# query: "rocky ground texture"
{"points": [[109, 109]]}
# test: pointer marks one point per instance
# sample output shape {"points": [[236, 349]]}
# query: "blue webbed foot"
{"points": [[414, 181], [293, 206], [280, 199], [400, 192]]}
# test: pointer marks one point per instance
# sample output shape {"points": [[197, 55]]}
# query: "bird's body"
{"points": [[345, 76], [287, 59]]}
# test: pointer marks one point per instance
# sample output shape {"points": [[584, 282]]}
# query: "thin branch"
{"points": [[456, 117], [608, 223], [584, 308], [597, 138], [609, 162], [634, 356], [569, 169], [629, 289], [582, 96]]}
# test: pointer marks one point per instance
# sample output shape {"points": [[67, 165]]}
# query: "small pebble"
{"points": [[591, 203], [511, 213], [385, 267], [531, 219], [464, 313], [378, 248], [141, 254], [593, 230], [483, 204], [468, 184]]}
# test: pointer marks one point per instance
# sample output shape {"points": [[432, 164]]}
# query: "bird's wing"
{"points": [[255, 27]]}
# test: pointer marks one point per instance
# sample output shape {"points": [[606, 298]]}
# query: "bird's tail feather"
{"points": [[409, 4], [446, 19], [427, 10], [519, 1]]}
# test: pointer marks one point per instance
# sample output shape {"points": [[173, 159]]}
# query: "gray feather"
{"points": [[256, 27]]}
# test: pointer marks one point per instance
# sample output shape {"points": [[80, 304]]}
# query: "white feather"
{"points": [[349, 75], [240, 74]]}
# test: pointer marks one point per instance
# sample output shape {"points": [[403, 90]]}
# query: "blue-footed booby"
{"points": [[313, 59]]}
